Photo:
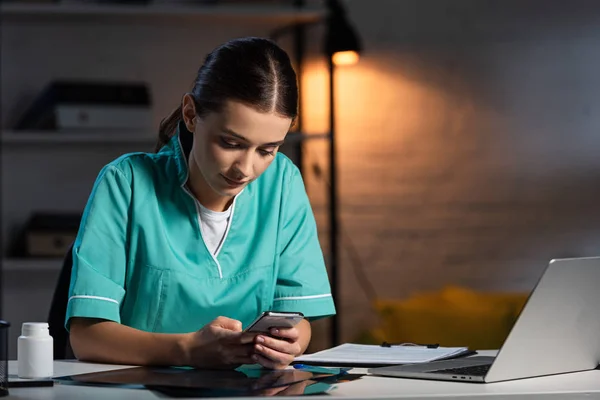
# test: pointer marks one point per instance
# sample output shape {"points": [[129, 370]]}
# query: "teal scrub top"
{"points": [[139, 258]]}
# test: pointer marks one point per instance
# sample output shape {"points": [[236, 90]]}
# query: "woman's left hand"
{"points": [[278, 350]]}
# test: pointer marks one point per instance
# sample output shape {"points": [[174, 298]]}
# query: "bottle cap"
{"points": [[35, 329]]}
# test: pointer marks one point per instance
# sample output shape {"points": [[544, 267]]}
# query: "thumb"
{"points": [[228, 323]]}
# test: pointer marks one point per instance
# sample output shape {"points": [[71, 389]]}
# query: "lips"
{"points": [[232, 182]]}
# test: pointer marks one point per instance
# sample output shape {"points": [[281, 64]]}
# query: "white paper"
{"points": [[372, 354]]}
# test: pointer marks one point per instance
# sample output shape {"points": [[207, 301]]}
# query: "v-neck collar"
{"points": [[181, 146]]}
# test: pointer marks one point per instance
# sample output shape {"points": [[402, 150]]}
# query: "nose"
{"points": [[244, 164]]}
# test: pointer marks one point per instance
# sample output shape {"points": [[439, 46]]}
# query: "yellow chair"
{"points": [[454, 316]]}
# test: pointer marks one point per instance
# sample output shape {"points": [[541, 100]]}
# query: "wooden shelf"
{"points": [[82, 137], [178, 12], [31, 264]]}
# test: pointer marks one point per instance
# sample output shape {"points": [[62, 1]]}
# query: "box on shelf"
{"points": [[89, 106], [47, 234]]}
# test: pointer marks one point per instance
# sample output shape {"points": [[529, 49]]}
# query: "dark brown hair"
{"points": [[254, 71]]}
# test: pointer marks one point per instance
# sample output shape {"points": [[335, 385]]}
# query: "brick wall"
{"points": [[469, 146]]}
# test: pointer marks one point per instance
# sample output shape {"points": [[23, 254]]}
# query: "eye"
{"points": [[266, 152], [228, 143]]}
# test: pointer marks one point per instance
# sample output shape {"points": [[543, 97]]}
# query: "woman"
{"points": [[179, 249]]}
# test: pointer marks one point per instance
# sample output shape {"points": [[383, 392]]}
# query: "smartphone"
{"points": [[274, 319]]}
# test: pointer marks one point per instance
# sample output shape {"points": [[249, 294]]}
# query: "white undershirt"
{"points": [[213, 225]]}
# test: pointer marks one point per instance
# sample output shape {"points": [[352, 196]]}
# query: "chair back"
{"points": [[58, 310]]}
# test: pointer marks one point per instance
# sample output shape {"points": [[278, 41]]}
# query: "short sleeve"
{"points": [[302, 281], [99, 251]]}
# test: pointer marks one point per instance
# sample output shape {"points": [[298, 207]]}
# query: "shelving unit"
{"points": [[161, 44]]}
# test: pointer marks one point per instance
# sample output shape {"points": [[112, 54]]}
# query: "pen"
{"points": [[429, 346]]}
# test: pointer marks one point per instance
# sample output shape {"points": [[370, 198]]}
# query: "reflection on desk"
{"points": [[567, 386], [188, 382]]}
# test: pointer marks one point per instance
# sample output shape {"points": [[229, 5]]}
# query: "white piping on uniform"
{"points": [[187, 172], [200, 229], [228, 226], [94, 298], [316, 296]]}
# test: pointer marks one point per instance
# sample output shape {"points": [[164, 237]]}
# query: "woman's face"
{"points": [[234, 147]]}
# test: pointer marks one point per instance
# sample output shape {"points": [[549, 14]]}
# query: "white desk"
{"points": [[583, 385]]}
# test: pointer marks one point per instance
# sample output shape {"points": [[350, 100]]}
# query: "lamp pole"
{"points": [[340, 38], [333, 207], [299, 50]]}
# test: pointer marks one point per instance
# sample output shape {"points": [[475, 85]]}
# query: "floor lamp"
{"points": [[342, 47]]}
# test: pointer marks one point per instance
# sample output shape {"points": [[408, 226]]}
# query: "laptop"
{"points": [[557, 331]]}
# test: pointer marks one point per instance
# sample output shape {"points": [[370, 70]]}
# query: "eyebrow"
{"points": [[240, 137]]}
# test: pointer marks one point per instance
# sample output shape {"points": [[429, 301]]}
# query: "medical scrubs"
{"points": [[139, 258]]}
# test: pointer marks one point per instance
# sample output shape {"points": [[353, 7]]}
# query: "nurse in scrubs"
{"points": [[180, 249]]}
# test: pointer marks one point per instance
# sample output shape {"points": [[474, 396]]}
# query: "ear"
{"points": [[188, 111]]}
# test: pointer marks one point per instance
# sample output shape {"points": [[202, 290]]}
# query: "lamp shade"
{"points": [[340, 35]]}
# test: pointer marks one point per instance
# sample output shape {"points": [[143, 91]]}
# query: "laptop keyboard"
{"points": [[474, 370]]}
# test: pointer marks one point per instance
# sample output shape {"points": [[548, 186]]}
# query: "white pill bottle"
{"points": [[35, 351]]}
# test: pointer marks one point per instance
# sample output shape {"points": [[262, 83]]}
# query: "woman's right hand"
{"points": [[219, 344]]}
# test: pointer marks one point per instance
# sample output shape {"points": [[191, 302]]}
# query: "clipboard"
{"points": [[360, 355]]}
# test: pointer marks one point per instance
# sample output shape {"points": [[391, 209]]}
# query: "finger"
{"points": [[248, 338], [240, 354], [276, 356], [225, 335], [244, 350], [267, 363], [282, 346], [228, 323], [291, 334]]}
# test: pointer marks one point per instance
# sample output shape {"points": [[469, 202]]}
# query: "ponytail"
{"points": [[167, 128]]}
